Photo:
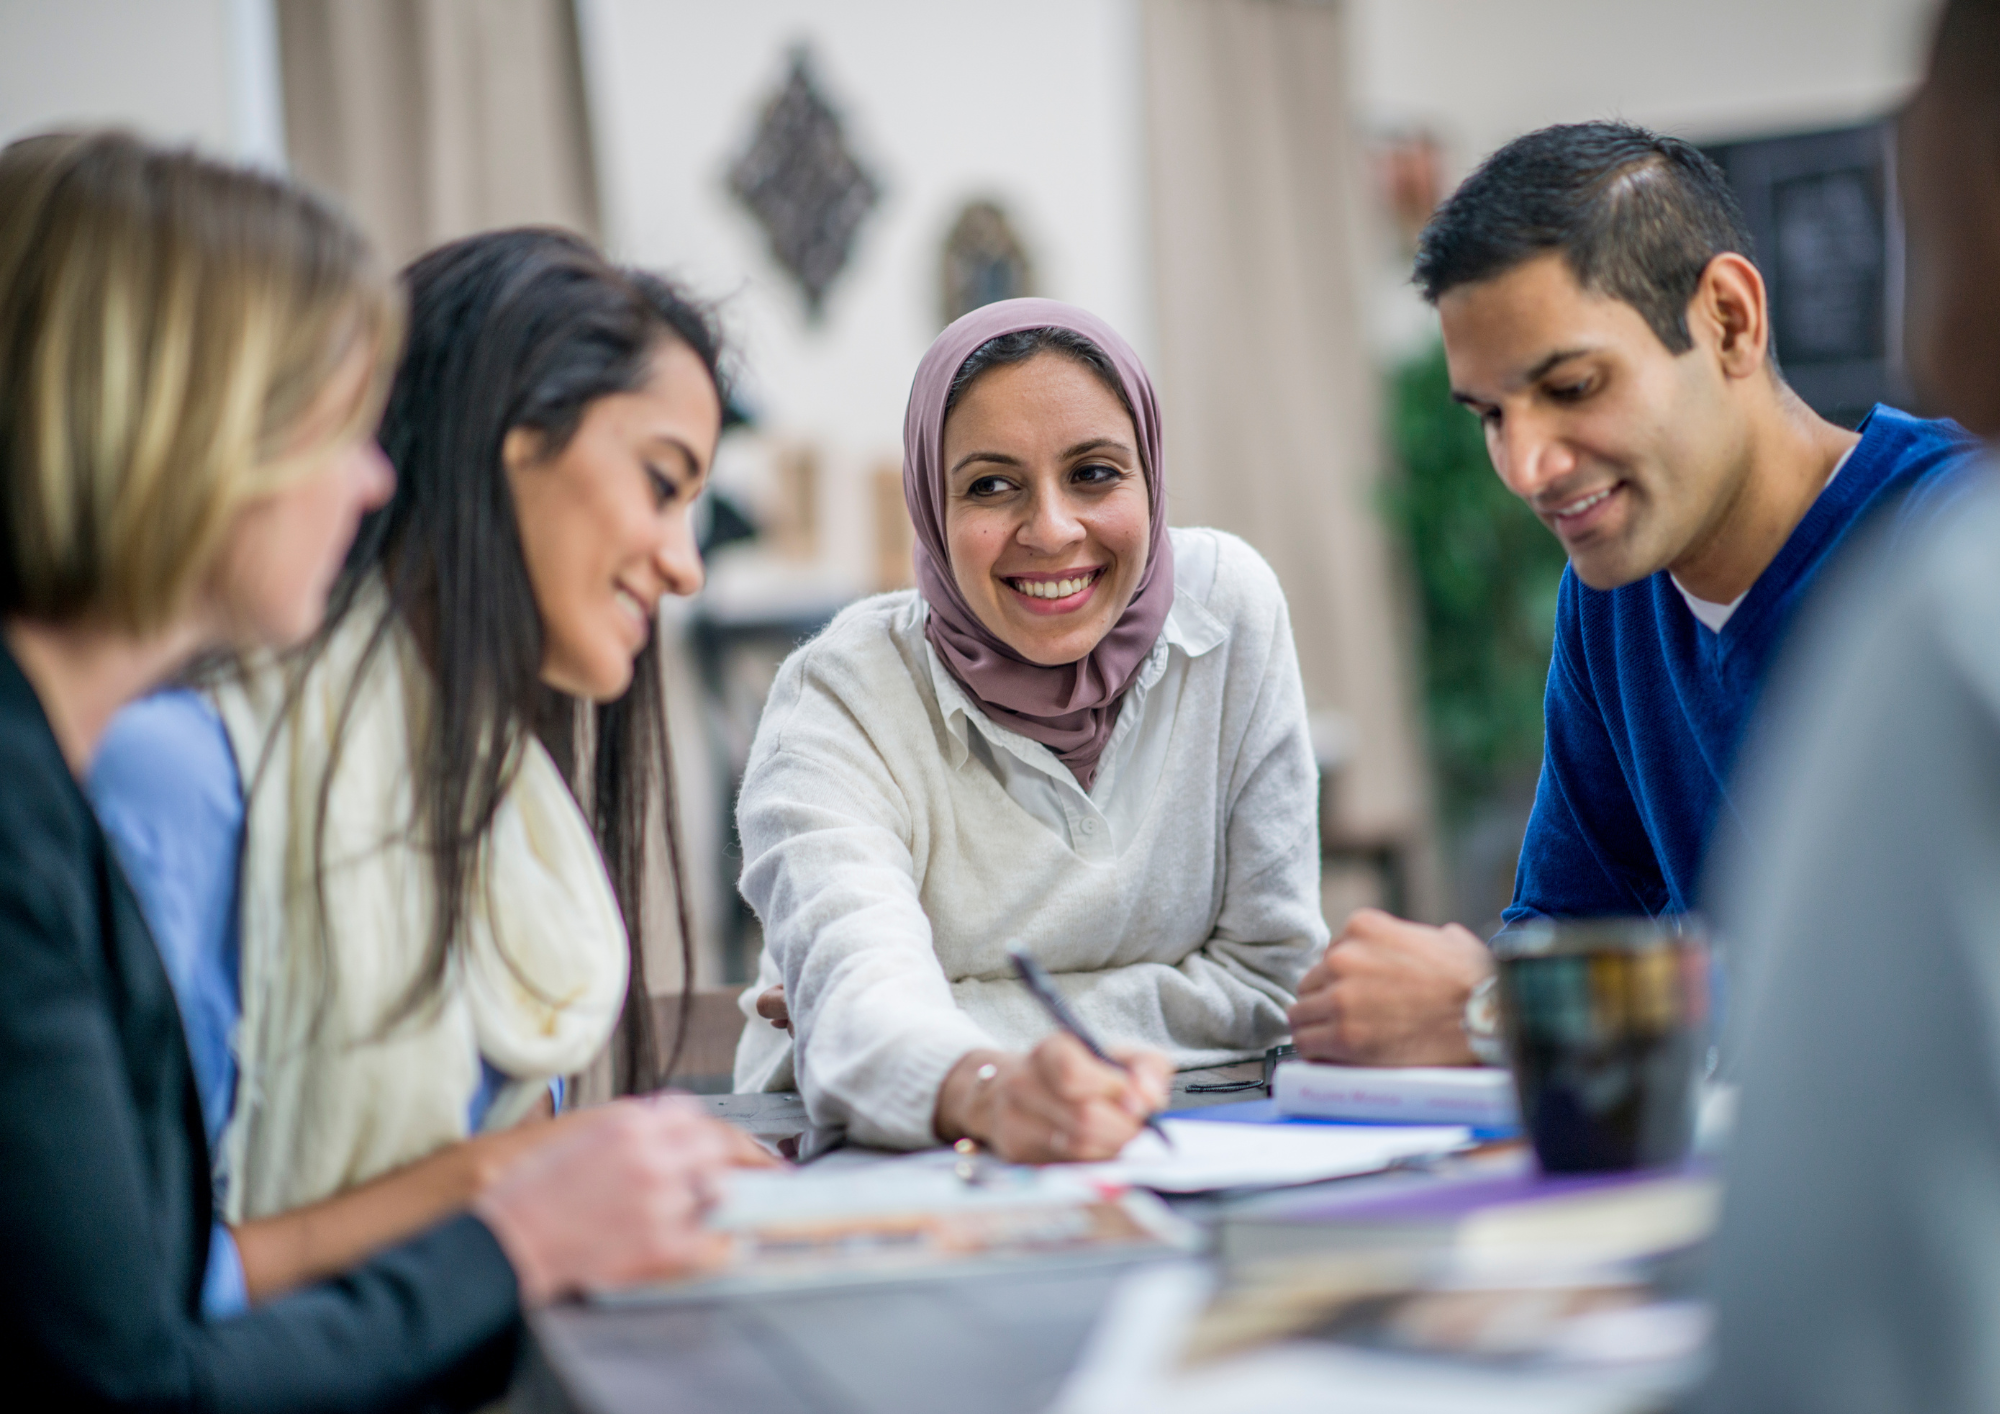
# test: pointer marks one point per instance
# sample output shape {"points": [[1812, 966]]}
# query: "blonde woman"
{"points": [[396, 992], [191, 362]]}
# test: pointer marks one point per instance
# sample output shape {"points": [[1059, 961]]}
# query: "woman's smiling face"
{"points": [[1046, 511], [604, 522]]}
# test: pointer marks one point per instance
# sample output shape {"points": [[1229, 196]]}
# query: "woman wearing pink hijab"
{"points": [[1082, 735]]}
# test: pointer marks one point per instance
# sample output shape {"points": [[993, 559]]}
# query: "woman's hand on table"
{"points": [[496, 1152], [617, 1199], [287, 1250], [771, 1006], [1057, 1103]]}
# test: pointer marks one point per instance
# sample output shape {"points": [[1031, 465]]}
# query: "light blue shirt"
{"points": [[166, 790]]}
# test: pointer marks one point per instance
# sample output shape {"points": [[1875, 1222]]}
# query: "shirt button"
{"points": [[1090, 827]]}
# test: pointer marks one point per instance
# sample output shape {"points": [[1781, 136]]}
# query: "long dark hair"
{"points": [[522, 328]]}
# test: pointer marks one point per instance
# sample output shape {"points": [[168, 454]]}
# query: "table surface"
{"points": [[981, 1343], [992, 1344]]}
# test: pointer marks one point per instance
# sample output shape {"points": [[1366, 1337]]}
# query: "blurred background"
{"points": [[1235, 184]]}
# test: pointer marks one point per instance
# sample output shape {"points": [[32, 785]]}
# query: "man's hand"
{"points": [[1056, 1103], [1390, 992], [771, 1006]]}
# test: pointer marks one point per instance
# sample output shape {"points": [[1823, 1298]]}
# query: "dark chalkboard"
{"points": [[1822, 210]]}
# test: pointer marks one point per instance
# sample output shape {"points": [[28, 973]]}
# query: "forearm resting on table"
{"points": [[326, 1238], [1390, 992]]}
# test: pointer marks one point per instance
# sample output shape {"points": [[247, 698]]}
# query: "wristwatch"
{"points": [[1481, 1022]]}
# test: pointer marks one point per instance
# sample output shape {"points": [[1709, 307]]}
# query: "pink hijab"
{"points": [[1070, 708]]}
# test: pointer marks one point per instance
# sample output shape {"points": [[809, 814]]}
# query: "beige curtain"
{"points": [[431, 119], [1272, 400]]}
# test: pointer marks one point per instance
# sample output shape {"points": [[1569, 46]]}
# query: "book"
{"points": [[1495, 1212], [1472, 1095]]}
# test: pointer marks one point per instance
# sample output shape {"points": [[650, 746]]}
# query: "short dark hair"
{"points": [[1637, 215]]}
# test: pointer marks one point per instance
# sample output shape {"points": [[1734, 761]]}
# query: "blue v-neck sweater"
{"points": [[1646, 706]]}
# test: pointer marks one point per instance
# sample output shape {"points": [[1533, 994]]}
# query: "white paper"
{"points": [[1136, 1344], [1302, 1375], [926, 1182], [1131, 1365], [1211, 1154]]}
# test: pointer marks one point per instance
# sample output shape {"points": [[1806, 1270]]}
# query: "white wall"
{"points": [[1035, 102], [1478, 72], [201, 71]]}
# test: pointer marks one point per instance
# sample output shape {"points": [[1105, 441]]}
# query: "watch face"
{"points": [[1482, 1010], [1482, 1023]]}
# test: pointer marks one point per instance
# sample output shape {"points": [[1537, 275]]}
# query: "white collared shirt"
{"points": [[1097, 825]]}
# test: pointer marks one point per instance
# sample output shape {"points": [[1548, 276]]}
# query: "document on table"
{"points": [[931, 1214], [1209, 1155]]}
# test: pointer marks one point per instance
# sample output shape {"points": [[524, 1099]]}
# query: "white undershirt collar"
{"points": [[1715, 615]]}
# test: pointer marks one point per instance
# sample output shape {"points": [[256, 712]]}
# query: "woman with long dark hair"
{"points": [[449, 790], [521, 586], [192, 359]]}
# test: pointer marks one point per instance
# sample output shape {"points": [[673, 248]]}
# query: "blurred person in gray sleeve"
{"points": [[1858, 1262]]}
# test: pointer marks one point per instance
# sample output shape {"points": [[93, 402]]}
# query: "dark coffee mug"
{"points": [[1606, 1022]]}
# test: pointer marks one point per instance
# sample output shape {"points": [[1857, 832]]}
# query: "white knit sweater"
{"points": [[897, 843]]}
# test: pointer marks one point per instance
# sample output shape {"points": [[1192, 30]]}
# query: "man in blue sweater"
{"points": [[1603, 319]]}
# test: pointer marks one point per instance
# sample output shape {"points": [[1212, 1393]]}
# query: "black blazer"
{"points": [[104, 1172]]}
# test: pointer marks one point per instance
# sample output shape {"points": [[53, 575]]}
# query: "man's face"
{"points": [[1631, 455], [1950, 175]]}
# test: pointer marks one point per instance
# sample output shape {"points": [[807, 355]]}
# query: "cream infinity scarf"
{"points": [[538, 985]]}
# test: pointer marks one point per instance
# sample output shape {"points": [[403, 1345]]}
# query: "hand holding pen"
{"points": [[1044, 991], [1053, 1103]]}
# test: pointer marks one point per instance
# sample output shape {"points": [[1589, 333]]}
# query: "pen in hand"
{"points": [[1044, 991]]}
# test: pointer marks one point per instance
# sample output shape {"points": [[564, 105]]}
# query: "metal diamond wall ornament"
{"points": [[803, 185]]}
